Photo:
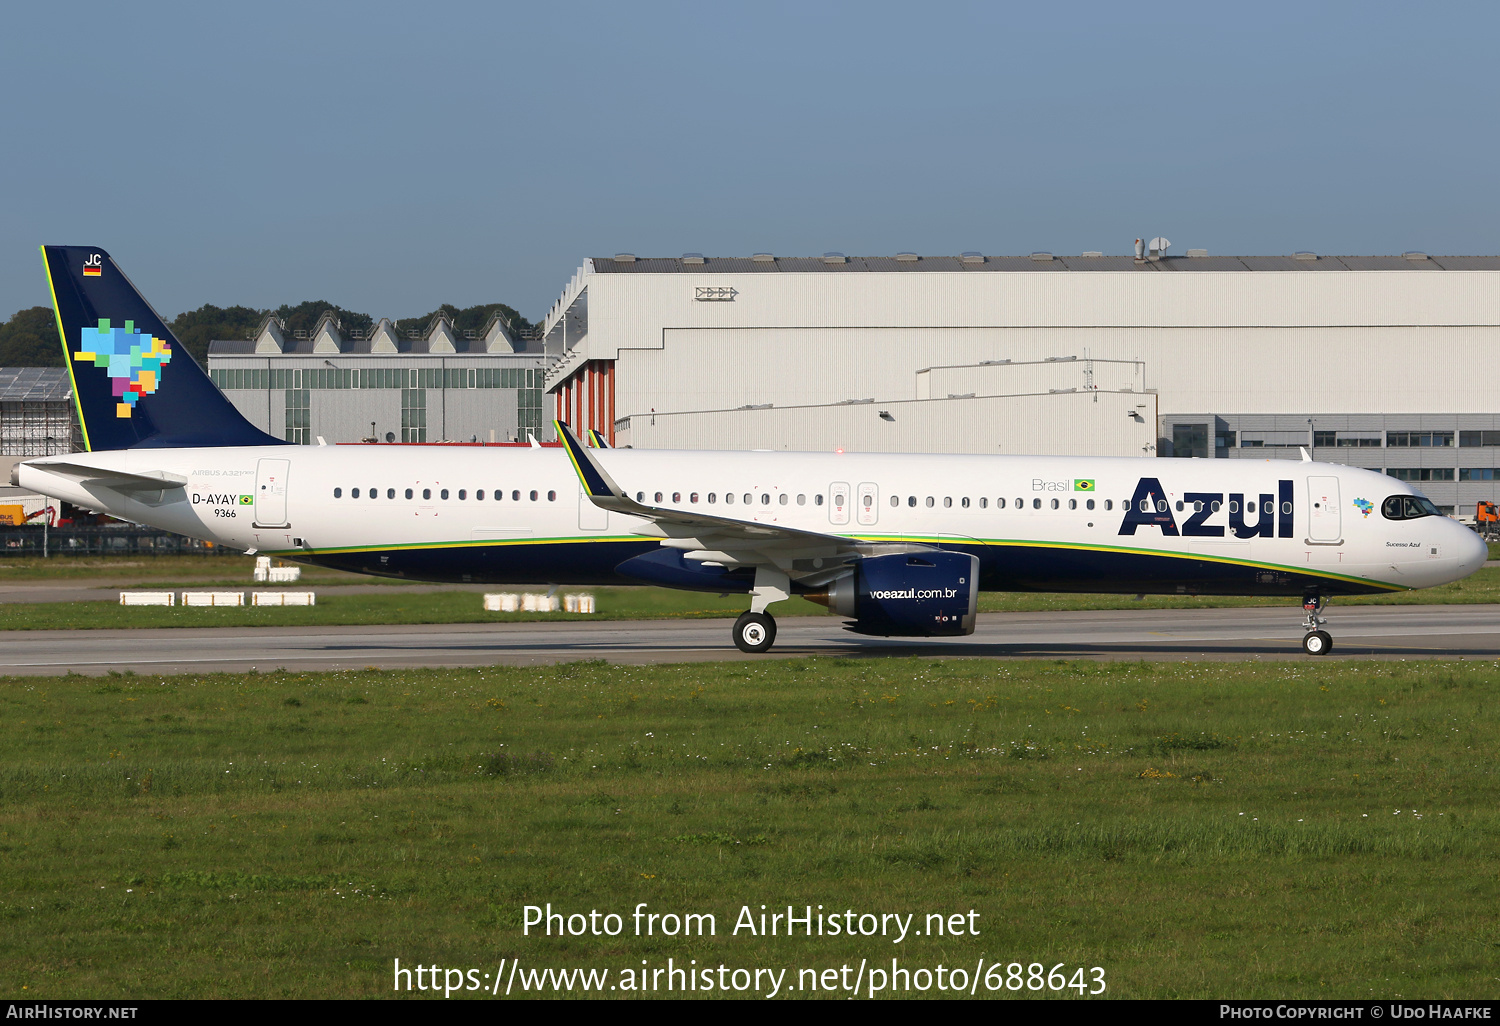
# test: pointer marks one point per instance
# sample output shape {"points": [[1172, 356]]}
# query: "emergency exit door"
{"points": [[270, 492]]}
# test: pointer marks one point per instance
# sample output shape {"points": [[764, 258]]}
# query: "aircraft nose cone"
{"points": [[1472, 551]]}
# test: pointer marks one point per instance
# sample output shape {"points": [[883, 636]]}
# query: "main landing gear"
{"points": [[755, 630], [1316, 641]]}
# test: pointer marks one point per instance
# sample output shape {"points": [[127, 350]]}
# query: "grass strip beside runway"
{"points": [[1288, 830]]}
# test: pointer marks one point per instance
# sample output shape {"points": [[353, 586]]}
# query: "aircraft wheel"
{"points": [[1317, 643], [754, 632]]}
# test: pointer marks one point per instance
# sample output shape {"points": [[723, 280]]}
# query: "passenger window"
{"points": [[818, 499], [1109, 504], [1286, 507], [640, 496], [711, 497], [748, 498], [729, 498], [374, 493], [354, 493], [1036, 503], [911, 500], [443, 494], [869, 501], [693, 497], [390, 493], [1089, 503], [338, 493], [1072, 503], [1021, 503], [930, 502], [477, 495], [1145, 505], [1234, 507], [408, 493], [462, 494], [1161, 505], [765, 499], [515, 495], [1215, 505], [964, 502], [947, 502], [999, 503], [895, 500], [1179, 505], [533, 495], [785, 498], [551, 496], [802, 500], [984, 502], [658, 497], [1197, 507], [677, 497], [1054, 503]]}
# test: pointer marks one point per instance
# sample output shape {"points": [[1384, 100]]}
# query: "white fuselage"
{"points": [[316, 502]]}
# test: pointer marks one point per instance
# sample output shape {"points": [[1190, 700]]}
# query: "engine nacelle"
{"points": [[915, 595]]}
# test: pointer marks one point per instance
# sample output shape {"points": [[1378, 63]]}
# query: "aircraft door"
{"points": [[270, 492], [838, 503], [868, 510], [1324, 518]]}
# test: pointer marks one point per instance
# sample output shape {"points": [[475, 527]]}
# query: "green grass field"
{"points": [[402, 606], [1205, 830]]}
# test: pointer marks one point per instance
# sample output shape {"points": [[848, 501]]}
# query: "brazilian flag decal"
{"points": [[1082, 484], [247, 500]]}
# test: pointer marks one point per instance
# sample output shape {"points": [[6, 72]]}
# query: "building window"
{"points": [[1189, 440], [1473, 439], [1325, 438], [298, 416], [1415, 439], [1478, 474], [1421, 473], [1347, 442], [414, 415], [1224, 440]]}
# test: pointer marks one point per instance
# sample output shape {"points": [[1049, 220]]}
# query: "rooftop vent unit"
{"points": [[1041, 257], [625, 258], [907, 258], [992, 363], [972, 258], [1304, 254], [1093, 253], [763, 258], [1197, 253], [692, 258], [1414, 255], [835, 258]]}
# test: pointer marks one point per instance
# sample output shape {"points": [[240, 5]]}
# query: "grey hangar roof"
{"points": [[1045, 263], [34, 384]]}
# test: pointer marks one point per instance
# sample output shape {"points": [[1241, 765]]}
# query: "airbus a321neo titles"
{"points": [[899, 545]]}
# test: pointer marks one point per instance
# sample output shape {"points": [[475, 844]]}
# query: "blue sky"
{"points": [[388, 157]]}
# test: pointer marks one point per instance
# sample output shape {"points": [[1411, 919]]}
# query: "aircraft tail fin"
{"points": [[134, 384]]}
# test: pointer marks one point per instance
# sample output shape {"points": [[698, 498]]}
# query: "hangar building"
{"points": [[429, 386], [1379, 361]]}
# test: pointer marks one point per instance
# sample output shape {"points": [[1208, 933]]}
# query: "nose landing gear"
{"points": [[1316, 641]]}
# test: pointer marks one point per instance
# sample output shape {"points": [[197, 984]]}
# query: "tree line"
{"points": [[29, 338]]}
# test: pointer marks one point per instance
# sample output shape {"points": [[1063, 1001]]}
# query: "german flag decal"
{"points": [[92, 272], [1083, 484]]}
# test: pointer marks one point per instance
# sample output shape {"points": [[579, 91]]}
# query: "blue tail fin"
{"points": [[134, 383]]}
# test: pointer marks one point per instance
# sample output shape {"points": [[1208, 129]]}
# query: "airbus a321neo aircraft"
{"points": [[900, 545]]}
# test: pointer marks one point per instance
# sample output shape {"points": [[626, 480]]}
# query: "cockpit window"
{"points": [[1408, 507]]}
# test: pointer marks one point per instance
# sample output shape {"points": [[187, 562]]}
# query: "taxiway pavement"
{"points": [[1382, 632]]}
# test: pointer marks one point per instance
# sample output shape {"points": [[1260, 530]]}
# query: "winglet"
{"points": [[1305, 457], [597, 440], [597, 484]]}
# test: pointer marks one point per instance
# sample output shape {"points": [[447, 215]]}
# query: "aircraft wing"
{"points": [[725, 540]]}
